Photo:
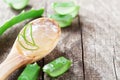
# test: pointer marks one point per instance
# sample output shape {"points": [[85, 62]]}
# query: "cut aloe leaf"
{"points": [[63, 7], [63, 20], [25, 41], [75, 12], [17, 4], [31, 72], [57, 67]]}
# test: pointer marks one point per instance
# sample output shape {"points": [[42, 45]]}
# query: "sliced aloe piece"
{"points": [[57, 67], [23, 40], [28, 30], [63, 7], [24, 45], [31, 72], [17, 4], [75, 12], [63, 20]]}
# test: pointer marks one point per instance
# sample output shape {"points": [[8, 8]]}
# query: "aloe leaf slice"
{"points": [[17, 4], [63, 20]]}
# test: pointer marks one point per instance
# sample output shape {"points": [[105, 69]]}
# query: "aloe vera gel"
{"points": [[38, 38]]}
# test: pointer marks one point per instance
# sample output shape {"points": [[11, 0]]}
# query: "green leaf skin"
{"points": [[57, 67], [63, 20], [29, 44], [75, 12], [21, 17], [31, 72], [64, 8], [17, 4]]}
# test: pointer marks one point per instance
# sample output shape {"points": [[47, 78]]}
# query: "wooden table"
{"points": [[92, 42]]}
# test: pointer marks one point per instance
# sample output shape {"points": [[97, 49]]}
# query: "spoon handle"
{"points": [[11, 64]]}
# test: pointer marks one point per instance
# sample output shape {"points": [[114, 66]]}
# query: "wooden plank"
{"points": [[69, 46], [7, 40], [101, 38]]}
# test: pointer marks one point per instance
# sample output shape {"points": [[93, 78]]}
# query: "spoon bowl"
{"points": [[37, 39]]}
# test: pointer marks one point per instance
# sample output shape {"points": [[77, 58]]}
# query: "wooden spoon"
{"points": [[35, 41]]}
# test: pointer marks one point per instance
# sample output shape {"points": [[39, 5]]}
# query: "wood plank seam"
{"points": [[114, 64], [80, 25]]}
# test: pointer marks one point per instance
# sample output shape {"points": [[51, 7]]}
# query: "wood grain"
{"points": [[92, 42], [101, 37]]}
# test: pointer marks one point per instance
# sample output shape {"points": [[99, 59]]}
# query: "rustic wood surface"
{"points": [[92, 42]]}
